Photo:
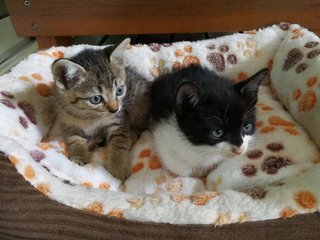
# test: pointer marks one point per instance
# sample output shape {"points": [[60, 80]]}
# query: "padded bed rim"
{"points": [[28, 214]]}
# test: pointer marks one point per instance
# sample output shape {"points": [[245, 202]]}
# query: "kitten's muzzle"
{"points": [[113, 106], [238, 150]]}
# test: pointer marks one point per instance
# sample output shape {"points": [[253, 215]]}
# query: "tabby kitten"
{"points": [[199, 118], [98, 100]]}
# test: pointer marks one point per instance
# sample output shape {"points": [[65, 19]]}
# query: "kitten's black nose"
{"points": [[237, 142], [237, 146]]}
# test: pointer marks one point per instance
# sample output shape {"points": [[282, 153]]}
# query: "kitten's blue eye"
{"points": [[96, 99], [247, 127], [120, 90], [217, 133]]}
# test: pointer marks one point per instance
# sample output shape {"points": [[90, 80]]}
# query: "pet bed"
{"points": [[278, 177]]}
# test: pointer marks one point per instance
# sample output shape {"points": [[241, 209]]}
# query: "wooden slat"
{"points": [[153, 38], [117, 39], [94, 17], [188, 37], [44, 42]]}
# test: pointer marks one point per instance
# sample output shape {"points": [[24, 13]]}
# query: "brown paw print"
{"points": [[254, 154], [256, 193], [24, 122], [272, 164], [224, 48], [275, 147], [301, 67], [217, 60], [232, 59], [249, 170], [7, 94], [7, 103], [211, 46], [293, 57], [155, 47], [313, 53], [284, 26], [311, 44], [28, 110], [167, 44], [37, 155]]}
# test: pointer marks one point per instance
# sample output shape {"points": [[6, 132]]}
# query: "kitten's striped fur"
{"points": [[119, 118]]}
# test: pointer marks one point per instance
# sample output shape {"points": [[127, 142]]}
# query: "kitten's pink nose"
{"points": [[113, 106], [238, 151]]}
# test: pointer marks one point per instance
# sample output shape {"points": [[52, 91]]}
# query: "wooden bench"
{"points": [[54, 22]]}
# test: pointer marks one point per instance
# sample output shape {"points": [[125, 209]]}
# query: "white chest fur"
{"points": [[180, 156]]}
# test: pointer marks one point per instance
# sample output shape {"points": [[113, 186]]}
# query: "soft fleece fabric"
{"points": [[278, 177]]}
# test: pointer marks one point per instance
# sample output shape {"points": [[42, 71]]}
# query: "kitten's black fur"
{"points": [[205, 103]]}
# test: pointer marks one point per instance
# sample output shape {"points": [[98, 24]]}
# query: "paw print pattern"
{"points": [[256, 193], [187, 58], [307, 101], [301, 67], [232, 59], [306, 200], [7, 94], [37, 155], [284, 26], [7, 103], [28, 110], [293, 57], [267, 159], [217, 60], [312, 54], [272, 164], [155, 47], [254, 154], [311, 44], [249, 170], [275, 147]]}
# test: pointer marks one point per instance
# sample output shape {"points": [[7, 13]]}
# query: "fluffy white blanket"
{"points": [[278, 177]]}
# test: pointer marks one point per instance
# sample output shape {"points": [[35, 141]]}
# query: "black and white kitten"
{"points": [[199, 118]]}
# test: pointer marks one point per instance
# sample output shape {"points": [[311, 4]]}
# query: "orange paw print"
{"points": [[279, 121], [311, 82], [307, 102], [296, 94], [137, 167], [154, 163], [95, 207], [306, 200]]}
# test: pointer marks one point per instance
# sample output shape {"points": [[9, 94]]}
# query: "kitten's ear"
{"points": [[249, 88], [188, 96], [117, 56], [67, 73]]}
